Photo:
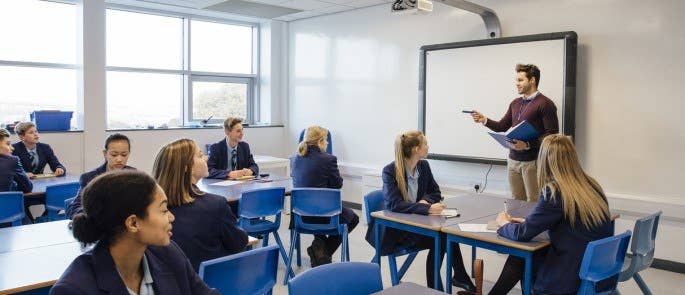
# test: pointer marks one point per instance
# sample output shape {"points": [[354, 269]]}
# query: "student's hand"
{"points": [[424, 202], [436, 208], [503, 218], [518, 219], [247, 172], [59, 172], [478, 117], [235, 174], [30, 175], [519, 145]]}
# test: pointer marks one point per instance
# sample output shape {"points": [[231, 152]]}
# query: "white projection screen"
{"points": [[480, 75]]}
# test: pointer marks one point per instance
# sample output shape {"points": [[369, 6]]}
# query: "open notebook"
{"points": [[448, 213]]}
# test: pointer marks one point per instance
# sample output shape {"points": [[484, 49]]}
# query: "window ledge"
{"points": [[191, 128]]}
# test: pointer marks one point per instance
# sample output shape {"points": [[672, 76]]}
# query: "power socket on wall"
{"points": [[477, 186]]}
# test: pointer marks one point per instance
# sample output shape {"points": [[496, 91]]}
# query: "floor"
{"points": [[660, 282]]}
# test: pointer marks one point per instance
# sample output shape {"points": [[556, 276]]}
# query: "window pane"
{"points": [[144, 40], [219, 100], [25, 90], [139, 100], [37, 31], [220, 48]]}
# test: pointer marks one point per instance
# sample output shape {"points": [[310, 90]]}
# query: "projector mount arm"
{"points": [[489, 16]]}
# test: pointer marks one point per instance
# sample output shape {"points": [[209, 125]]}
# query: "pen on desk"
{"points": [[505, 207]]}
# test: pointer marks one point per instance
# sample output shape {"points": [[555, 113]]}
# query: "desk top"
{"points": [[232, 192], [35, 235], [408, 288], [539, 242], [39, 185], [29, 269], [469, 205]]}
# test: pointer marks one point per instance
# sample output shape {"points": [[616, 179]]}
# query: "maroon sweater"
{"points": [[540, 112]]}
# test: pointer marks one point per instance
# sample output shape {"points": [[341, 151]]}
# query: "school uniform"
{"points": [[206, 229], [320, 170], [94, 273], [44, 154], [222, 160], [420, 186], [12, 175], [76, 206], [557, 269]]}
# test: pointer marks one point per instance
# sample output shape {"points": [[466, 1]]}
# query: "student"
{"points": [[574, 210], [231, 157], [538, 110], [205, 225], [409, 187], [35, 155], [12, 175], [313, 167], [126, 217], [116, 153]]}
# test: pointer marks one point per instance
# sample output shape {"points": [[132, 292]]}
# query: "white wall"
{"points": [[356, 73]]}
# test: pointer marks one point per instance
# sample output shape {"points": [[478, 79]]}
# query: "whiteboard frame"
{"points": [[569, 100]]}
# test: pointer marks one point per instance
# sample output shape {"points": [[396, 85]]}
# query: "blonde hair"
{"points": [[21, 128], [559, 171], [404, 144], [230, 122], [314, 135], [173, 169]]}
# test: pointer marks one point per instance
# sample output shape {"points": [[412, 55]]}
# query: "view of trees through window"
{"points": [[219, 100]]}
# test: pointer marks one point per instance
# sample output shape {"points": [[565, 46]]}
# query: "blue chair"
{"points": [[55, 197], [373, 201], [12, 208], [316, 202], [644, 236], [349, 278], [603, 259], [246, 273], [329, 149], [257, 204]]}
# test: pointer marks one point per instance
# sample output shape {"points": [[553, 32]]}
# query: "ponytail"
{"points": [[404, 144], [315, 136], [84, 230]]}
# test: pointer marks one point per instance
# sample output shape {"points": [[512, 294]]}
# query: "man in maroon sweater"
{"points": [[541, 113]]}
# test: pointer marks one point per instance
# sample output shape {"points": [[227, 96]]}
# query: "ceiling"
{"points": [[285, 10]]}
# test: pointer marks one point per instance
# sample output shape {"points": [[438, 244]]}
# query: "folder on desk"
{"points": [[523, 132], [46, 175]]}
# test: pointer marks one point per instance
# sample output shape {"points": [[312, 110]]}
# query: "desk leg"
{"points": [[448, 278], [528, 275], [377, 239], [473, 261]]}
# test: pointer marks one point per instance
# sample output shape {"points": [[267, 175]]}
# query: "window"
{"points": [[37, 58], [169, 71]]}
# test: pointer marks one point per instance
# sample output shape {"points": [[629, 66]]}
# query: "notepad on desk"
{"points": [[523, 132], [46, 175], [477, 228], [448, 213], [226, 183], [247, 177]]}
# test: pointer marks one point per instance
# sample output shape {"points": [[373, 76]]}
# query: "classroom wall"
{"points": [[356, 73]]}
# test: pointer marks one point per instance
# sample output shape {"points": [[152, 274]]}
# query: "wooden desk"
{"points": [[39, 185], [232, 192], [35, 236], [408, 288]]}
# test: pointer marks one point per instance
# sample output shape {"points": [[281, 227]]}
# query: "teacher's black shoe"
{"points": [[466, 286]]}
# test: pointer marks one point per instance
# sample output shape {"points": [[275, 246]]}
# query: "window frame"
{"points": [[188, 76]]}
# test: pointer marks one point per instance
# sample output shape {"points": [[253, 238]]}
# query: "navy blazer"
{"points": [[559, 267], [45, 157], [76, 206], [428, 190], [12, 175], [206, 229], [94, 273], [316, 169], [218, 159]]}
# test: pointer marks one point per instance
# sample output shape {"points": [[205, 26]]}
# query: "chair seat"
{"points": [[322, 229], [259, 226]]}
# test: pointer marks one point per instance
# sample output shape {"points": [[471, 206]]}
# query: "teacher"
{"points": [[541, 113]]}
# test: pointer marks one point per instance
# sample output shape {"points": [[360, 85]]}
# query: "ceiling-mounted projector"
{"points": [[412, 6]]}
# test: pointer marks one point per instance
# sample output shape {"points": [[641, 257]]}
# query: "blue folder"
{"points": [[523, 132]]}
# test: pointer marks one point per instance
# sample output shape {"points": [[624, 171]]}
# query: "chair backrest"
{"points": [[11, 207], [319, 202], [245, 273], [68, 202], [56, 194], [643, 244], [373, 201], [349, 278], [329, 148], [261, 202], [604, 258]]}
